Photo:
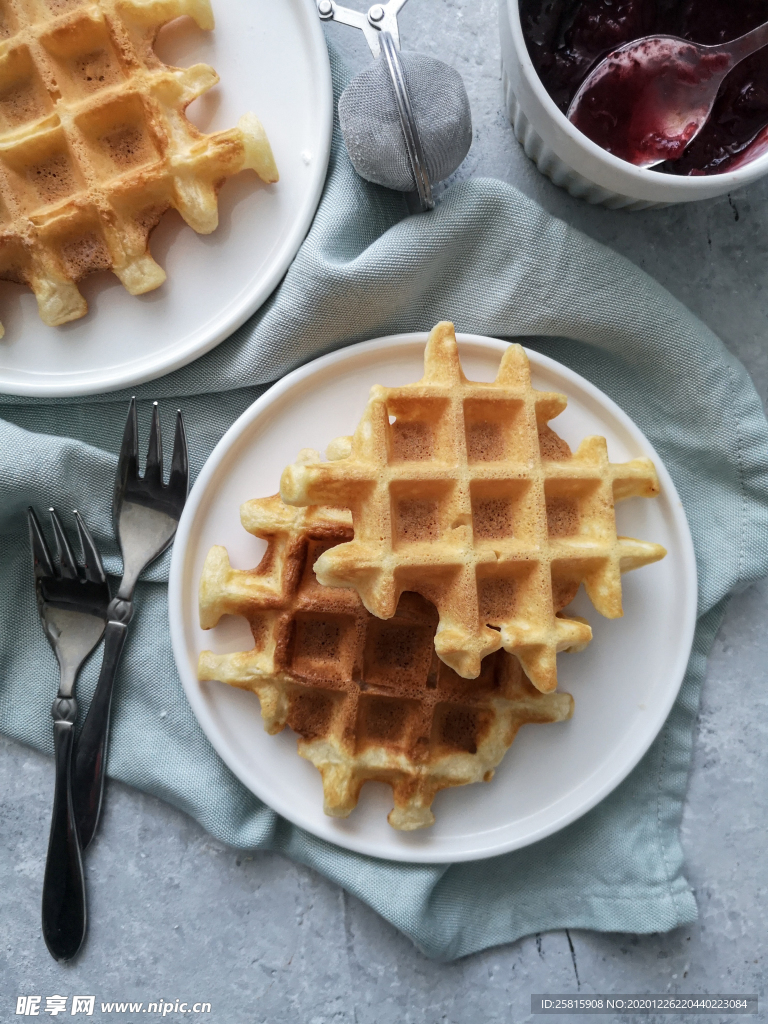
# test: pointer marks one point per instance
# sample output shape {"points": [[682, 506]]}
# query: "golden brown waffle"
{"points": [[460, 492], [95, 145], [368, 698]]}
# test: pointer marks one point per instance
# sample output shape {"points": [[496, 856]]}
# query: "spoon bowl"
{"points": [[646, 101]]}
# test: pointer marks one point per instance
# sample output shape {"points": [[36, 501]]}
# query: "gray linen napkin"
{"points": [[495, 263]]}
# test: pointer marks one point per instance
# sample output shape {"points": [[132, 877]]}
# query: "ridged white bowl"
{"points": [[573, 161]]}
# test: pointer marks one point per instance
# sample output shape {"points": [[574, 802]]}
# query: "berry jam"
{"points": [[567, 38], [645, 105]]}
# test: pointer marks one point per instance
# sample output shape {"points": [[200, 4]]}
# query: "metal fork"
{"points": [[145, 513], [72, 602]]}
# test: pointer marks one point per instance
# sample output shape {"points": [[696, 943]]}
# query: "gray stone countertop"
{"points": [[176, 915]]}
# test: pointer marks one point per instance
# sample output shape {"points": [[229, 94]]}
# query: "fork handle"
{"points": [[64, 913], [90, 756]]}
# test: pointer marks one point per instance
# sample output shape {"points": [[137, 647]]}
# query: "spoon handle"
{"points": [[744, 46]]}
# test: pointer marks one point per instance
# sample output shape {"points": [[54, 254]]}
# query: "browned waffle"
{"points": [[95, 145], [461, 492], [368, 698]]}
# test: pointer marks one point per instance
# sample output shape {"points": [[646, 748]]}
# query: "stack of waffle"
{"points": [[408, 611]]}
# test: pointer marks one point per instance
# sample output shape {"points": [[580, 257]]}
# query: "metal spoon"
{"points": [[647, 101]]}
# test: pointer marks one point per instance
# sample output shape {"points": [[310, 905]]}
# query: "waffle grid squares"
{"points": [[462, 492], [368, 697], [94, 144]]}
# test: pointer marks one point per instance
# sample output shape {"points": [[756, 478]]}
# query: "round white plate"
{"points": [[272, 60], [624, 683]]}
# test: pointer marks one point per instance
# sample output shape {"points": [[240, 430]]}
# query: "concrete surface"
{"points": [[175, 915]]}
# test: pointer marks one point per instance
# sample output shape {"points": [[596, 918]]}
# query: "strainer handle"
{"points": [[408, 121], [382, 17], [330, 11]]}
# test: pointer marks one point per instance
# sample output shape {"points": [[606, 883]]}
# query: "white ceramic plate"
{"points": [[624, 683], [272, 59]]}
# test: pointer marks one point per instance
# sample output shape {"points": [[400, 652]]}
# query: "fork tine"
{"points": [[66, 557], [128, 460], [40, 554], [179, 480], [154, 471], [129, 449], [94, 570]]}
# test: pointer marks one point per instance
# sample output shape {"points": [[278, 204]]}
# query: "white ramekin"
{"points": [[575, 163]]}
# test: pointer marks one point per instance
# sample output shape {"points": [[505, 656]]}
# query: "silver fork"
{"points": [[72, 602], [145, 513]]}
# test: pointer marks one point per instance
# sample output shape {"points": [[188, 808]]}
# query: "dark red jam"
{"points": [[566, 38]]}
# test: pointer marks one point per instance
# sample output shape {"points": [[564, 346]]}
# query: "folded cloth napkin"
{"points": [[495, 263]]}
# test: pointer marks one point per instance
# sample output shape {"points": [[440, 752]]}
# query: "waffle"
{"points": [[368, 698], [95, 145], [461, 492]]}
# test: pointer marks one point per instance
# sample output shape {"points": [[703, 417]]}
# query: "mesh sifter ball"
{"points": [[406, 119]]}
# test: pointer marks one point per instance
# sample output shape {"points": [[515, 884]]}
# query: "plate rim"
{"points": [[188, 676], [252, 301]]}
